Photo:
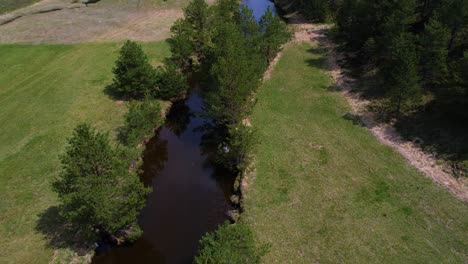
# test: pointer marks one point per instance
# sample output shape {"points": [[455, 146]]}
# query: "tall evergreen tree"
{"points": [[402, 76], [182, 47], [275, 33], [95, 187], [133, 75], [196, 16], [236, 74], [434, 56]]}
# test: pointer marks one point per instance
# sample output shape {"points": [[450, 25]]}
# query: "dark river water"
{"points": [[190, 196]]}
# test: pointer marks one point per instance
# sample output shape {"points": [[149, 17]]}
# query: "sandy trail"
{"points": [[384, 132]]}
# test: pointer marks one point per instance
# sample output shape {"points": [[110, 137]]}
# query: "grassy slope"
{"points": [[10, 5], [44, 92], [327, 192]]}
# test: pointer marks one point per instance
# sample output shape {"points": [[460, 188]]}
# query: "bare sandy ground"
{"points": [[384, 132], [76, 23]]}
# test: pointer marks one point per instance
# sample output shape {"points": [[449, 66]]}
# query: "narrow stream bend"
{"points": [[190, 196]]}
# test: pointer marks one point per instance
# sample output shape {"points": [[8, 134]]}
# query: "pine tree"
{"points": [[181, 45], [171, 82], [95, 187], [434, 43], [235, 71], [196, 16], [402, 77], [133, 75], [275, 34]]}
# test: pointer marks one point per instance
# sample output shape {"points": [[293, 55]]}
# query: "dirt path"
{"points": [[385, 133]]}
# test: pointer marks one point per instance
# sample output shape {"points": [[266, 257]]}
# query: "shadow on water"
{"points": [[190, 196]]}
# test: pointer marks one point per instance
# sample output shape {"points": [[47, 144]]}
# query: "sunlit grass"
{"points": [[45, 91], [327, 191]]}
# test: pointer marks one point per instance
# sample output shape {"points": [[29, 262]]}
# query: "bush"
{"points": [[134, 77], [95, 187], [171, 83], [234, 153], [230, 244], [142, 117]]}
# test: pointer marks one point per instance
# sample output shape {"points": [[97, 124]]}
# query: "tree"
{"points": [[235, 72], [95, 187], [133, 75], [140, 120], [182, 47], [401, 74], [434, 43], [171, 82], [275, 34], [196, 16]]}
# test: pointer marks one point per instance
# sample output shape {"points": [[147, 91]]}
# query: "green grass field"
{"points": [[45, 91], [10, 5], [327, 191]]}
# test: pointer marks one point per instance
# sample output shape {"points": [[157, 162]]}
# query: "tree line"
{"points": [[411, 59], [225, 48], [228, 50], [99, 188]]}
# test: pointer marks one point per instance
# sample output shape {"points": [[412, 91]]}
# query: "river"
{"points": [[190, 196]]}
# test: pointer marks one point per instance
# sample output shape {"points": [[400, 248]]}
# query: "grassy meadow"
{"points": [[45, 91], [327, 191]]}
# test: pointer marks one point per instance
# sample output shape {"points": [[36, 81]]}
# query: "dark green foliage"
{"points": [[402, 73], [196, 16], [275, 34], [387, 37], [96, 189], [231, 50], [230, 244], [434, 43], [315, 10], [235, 72], [181, 45], [171, 83], [133, 75], [142, 117], [240, 144]]}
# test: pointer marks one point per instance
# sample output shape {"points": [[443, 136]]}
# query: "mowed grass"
{"points": [[327, 191], [10, 5], [45, 91]]}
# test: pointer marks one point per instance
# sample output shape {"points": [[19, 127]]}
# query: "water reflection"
{"points": [[259, 7], [190, 195], [178, 118]]}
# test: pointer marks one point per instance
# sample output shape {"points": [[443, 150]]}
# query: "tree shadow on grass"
{"points": [[59, 233], [438, 132], [112, 92]]}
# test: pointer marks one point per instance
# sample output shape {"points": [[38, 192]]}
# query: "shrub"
{"points": [[230, 244], [142, 117], [171, 82], [134, 77]]}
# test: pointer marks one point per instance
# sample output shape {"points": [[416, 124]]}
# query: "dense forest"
{"points": [[411, 59]]}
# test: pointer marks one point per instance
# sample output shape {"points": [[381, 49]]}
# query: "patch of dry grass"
{"points": [[105, 21]]}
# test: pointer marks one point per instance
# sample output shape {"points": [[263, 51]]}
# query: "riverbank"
{"points": [[45, 91], [327, 191]]}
